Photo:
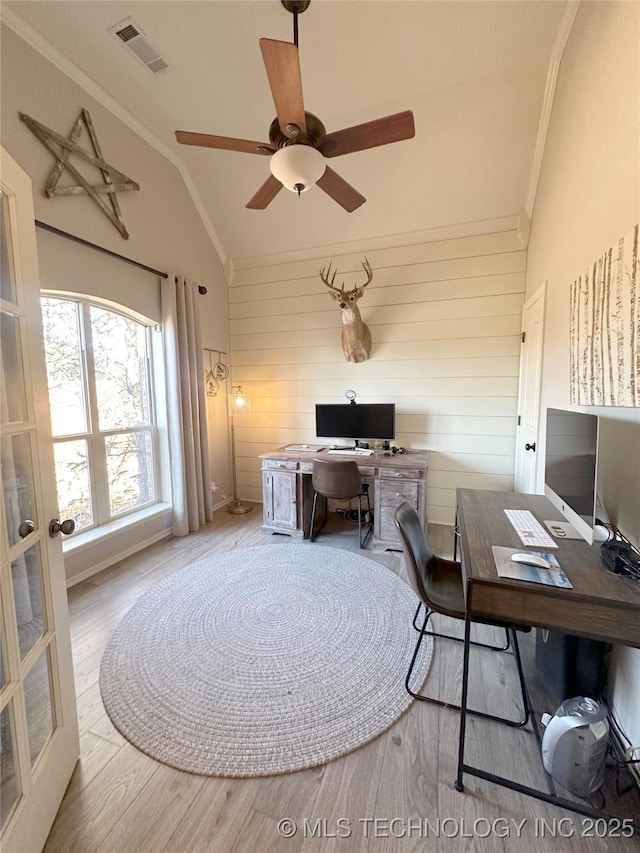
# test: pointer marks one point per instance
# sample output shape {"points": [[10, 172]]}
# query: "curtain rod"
{"points": [[95, 246]]}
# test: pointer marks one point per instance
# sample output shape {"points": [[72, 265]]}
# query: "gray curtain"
{"points": [[187, 423]]}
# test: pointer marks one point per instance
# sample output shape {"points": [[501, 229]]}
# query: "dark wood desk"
{"points": [[601, 605]]}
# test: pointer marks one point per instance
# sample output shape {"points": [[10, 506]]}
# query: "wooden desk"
{"points": [[601, 605], [287, 493]]}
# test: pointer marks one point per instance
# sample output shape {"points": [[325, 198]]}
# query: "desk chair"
{"points": [[438, 584], [340, 480]]}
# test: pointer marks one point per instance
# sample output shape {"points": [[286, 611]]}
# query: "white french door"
{"points": [[38, 722]]}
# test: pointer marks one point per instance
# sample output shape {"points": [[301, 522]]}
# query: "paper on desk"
{"points": [[506, 568]]}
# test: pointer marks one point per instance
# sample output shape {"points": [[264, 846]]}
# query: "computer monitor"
{"points": [[570, 468], [357, 421]]}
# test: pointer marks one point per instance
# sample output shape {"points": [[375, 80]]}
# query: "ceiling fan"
{"points": [[298, 142]]}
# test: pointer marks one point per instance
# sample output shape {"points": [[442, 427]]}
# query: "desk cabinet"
{"points": [[279, 498], [393, 487], [288, 493], [286, 497]]}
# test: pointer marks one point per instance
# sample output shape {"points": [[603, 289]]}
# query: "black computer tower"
{"points": [[570, 666]]}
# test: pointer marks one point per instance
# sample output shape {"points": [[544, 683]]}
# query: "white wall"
{"points": [[445, 318], [165, 229], [588, 197]]}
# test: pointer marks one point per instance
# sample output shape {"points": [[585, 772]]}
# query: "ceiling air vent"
{"points": [[131, 35]]}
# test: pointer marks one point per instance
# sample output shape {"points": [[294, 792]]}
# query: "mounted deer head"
{"points": [[356, 337]]}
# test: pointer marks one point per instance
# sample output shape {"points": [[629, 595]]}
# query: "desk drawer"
{"points": [[366, 471], [394, 493], [286, 464], [401, 473]]}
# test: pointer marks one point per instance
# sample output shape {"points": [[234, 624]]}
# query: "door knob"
{"points": [[530, 447], [26, 528], [67, 527]]}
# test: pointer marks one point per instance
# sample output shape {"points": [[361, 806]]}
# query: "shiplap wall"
{"points": [[445, 321]]}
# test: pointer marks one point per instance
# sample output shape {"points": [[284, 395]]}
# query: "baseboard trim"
{"points": [[115, 558]]}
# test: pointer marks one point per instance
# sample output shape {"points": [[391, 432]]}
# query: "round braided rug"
{"points": [[263, 660]]}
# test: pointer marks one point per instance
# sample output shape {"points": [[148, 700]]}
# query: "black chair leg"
{"points": [[523, 684], [313, 536], [422, 698], [369, 530], [492, 648]]}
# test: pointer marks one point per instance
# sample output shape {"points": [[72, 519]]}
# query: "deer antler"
{"points": [[367, 268], [325, 278]]}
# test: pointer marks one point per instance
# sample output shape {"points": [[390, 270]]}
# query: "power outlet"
{"points": [[213, 486]]}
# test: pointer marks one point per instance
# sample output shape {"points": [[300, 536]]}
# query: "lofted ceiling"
{"points": [[473, 72]]}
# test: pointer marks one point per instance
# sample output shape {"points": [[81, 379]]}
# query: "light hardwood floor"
{"points": [[394, 794]]}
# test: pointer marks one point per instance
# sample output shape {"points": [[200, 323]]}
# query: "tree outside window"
{"points": [[102, 414]]}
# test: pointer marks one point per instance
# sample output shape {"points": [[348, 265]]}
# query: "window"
{"points": [[102, 414]]}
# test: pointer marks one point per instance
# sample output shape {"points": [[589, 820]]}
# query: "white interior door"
{"points": [[38, 726], [529, 393]]}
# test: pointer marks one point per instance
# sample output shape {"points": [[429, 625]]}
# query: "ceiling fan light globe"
{"points": [[297, 167]]}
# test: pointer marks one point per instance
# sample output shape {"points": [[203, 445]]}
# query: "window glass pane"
{"points": [[130, 471], [26, 572], [12, 397], [64, 366], [38, 705], [17, 484], [120, 357], [72, 478], [9, 782], [7, 285]]}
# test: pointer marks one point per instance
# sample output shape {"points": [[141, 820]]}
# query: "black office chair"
{"points": [[438, 584], [340, 480]]}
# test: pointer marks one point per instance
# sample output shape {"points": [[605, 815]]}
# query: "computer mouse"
{"points": [[531, 560]]}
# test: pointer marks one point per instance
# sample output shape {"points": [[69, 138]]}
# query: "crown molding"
{"points": [[409, 238], [562, 36], [39, 43]]}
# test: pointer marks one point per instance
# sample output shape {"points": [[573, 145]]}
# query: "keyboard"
{"points": [[357, 451], [530, 531]]}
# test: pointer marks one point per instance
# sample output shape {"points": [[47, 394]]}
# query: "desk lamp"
{"points": [[239, 406]]}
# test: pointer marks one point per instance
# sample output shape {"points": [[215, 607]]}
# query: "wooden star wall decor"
{"points": [[63, 147]]}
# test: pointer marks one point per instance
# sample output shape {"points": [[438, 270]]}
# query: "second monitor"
{"points": [[356, 421]]}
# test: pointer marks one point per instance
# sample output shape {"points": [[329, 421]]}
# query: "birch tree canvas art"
{"points": [[605, 329]]}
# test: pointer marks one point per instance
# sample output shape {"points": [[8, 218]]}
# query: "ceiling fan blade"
{"points": [[282, 62], [340, 190], [371, 134], [266, 194], [226, 143]]}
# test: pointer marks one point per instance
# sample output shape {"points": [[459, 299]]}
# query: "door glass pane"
{"points": [[17, 484], [120, 355], [9, 782], [39, 705], [72, 478], [129, 471], [13, 406], [3, 677], [64, 366], [26, 571], [7, 283]]}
